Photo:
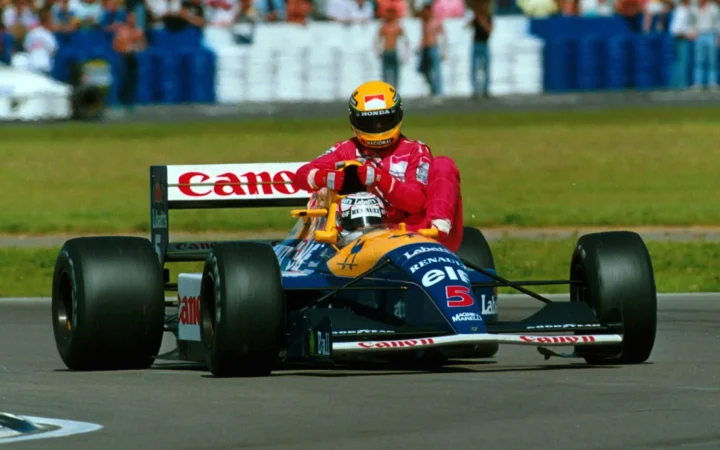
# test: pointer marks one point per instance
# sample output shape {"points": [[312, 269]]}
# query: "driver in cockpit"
{"points": [[357, 214], [416, 188]]}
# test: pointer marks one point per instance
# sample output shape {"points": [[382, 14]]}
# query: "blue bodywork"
{"points": [[433, 274]]}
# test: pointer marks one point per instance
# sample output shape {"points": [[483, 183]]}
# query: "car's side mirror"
{"points": [[326, 237], [296, 213], [330, 234], [429, 232]]}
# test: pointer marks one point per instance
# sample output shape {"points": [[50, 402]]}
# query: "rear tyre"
{"points": [[619, 285], [242, 310], [476, 250], [108, 303]]}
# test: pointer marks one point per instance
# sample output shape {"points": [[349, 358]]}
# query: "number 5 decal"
{"points": [[458, 292]]}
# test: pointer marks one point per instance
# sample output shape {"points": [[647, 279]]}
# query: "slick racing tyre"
{"points": [[618, 283], [242, 309], [475, 249], [108, 303]]}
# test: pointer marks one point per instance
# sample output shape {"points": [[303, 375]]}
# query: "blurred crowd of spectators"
{"points": [[693, 25], [36, 26], [19, 17], [648, 16]]}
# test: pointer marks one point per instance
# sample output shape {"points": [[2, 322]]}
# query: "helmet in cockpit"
{"points": [[357, 214]]}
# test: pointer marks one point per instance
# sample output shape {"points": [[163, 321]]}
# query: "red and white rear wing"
{"points": [[463, 339], [218, 186], [230, 185]]}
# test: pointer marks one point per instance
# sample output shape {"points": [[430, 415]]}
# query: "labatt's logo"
{"points": [[227, 184], [420, 250]]}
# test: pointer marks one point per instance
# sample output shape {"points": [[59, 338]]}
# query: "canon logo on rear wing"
{"points": [[397, 344], [233, 182], [192, 184]]}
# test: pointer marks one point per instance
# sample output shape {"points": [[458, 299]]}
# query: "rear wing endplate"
{"points": [[214, 186]]}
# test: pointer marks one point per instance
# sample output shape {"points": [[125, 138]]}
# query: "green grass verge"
{"points": [[679, 266], [621, 167]]}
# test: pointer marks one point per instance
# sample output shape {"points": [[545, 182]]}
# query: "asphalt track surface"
{"points": [[515, 401]]}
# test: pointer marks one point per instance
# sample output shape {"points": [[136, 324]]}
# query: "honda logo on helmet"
{"points": [[376, 113]]}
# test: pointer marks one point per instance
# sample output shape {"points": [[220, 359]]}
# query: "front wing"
{"points": [[573, 318], [314, 340], [339, 348]]}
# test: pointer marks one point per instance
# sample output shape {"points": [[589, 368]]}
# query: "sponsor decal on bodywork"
{"points": [[488, 304], [158, 194], [557, 339], [233, 182], [396, 344], [434, 260], [320, 343], [345, 332], [399, 310], [189, 313], [305, 252], [420, 250], [447, 282], [296, 273], [434, 276], [159, 219], [466, 317], [566, 325], [189, 306], [230, 184]]}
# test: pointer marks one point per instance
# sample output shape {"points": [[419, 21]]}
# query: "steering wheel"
{"points": [[352, 183]]}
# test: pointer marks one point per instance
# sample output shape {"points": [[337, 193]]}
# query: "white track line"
{"points": [[66, 428]]}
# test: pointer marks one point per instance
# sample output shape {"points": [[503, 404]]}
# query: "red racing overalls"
{"points": [[422, 192]]}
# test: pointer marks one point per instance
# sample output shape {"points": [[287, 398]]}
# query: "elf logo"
{"points": [[434, 276]]}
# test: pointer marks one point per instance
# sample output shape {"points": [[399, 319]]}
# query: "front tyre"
{"points": [[618, 283], [242, 309]]}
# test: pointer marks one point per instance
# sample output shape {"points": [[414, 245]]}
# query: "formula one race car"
{"points": [[390, 294]]}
